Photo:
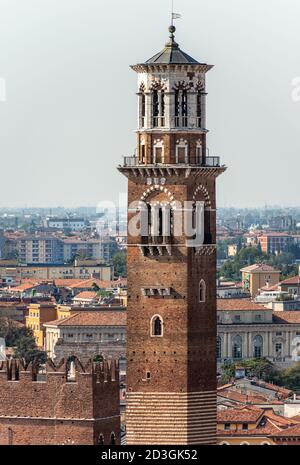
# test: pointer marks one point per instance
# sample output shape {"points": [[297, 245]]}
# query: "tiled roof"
{"points": [[279, 420], [293, 280], [239, 305], [267, 429], [86, 295], [293, 431], [244, 414], [260, 267], [92, 318], [249, 398], [286, 317]]}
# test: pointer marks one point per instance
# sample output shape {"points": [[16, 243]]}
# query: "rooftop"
{"points": [[92, 318], [171, 53], [239, 305], [257, 267]]}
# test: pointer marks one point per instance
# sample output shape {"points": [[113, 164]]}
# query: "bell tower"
{"points": [[171, 323]]}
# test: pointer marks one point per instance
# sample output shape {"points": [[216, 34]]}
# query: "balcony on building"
{"points": [[205, 162]]}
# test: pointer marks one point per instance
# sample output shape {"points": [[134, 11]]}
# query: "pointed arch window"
{"points": [[101, 440], [156, 326], [202, 291], [199, 108], [113, 439], [143, 109], [184, 108], [155, 106]]}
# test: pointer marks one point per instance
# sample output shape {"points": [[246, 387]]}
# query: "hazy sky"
{"points": [[70, 109]]}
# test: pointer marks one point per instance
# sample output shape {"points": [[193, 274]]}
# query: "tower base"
{"points": [[171, 418]]}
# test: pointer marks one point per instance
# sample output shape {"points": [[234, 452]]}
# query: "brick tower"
{"points": [[171, 325]]}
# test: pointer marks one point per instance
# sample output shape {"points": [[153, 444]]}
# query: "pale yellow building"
{"points": [[256, 276], [37, 315]]}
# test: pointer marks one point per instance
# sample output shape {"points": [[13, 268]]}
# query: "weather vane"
{"points": [[174, 15]]}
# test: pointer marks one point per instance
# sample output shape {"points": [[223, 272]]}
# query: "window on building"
{"points": [[245, 426], [143, 109], [177, 121], [258, 347], [219, 348], [278, 333], [184, 108], [237, 352], [112, 439], [237, 318], [258, 317], [156, 326], [155, 106], [101, 440], [202, 291], [227, 426], [199, 109], [278, 347]]}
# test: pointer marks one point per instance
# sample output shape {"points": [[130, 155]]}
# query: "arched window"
{"points": [[162, 107], [155, 107], [158, 151], [181, 151], [101, 440], [177, 121], [219, 348], [202, 291], [237, 351], [184, 108], [156, 326], [112, 439], [143, 109], [199, 109], [258, 347], [199, 153]]}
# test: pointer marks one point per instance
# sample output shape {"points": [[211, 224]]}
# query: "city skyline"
{"points": [[52, 129]]}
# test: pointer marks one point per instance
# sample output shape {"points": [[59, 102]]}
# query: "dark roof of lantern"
{"points": [[172, 54]]}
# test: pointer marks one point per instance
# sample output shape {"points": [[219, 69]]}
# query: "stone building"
{"points": [[60, 405], [248, 330], [86, 334], [171, 321]]}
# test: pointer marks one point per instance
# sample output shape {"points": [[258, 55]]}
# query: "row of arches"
{"points": [[237, 347], [180, 95]]}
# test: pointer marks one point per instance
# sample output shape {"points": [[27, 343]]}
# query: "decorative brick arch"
{"points": [[158, 85], [200, 86], [205, 193], [142, 87], [182, 85], [158, 188]]}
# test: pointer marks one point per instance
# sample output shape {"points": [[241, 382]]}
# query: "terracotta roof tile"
{"points": [[244, 414], [92, 318], [286, 317], [239, 305]]}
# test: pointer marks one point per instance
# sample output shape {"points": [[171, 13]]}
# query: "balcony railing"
{"points": [[207, 162]]}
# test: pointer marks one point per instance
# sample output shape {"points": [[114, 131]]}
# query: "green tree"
{"points": [[22, 340], [119, 262], [291, 378]]}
